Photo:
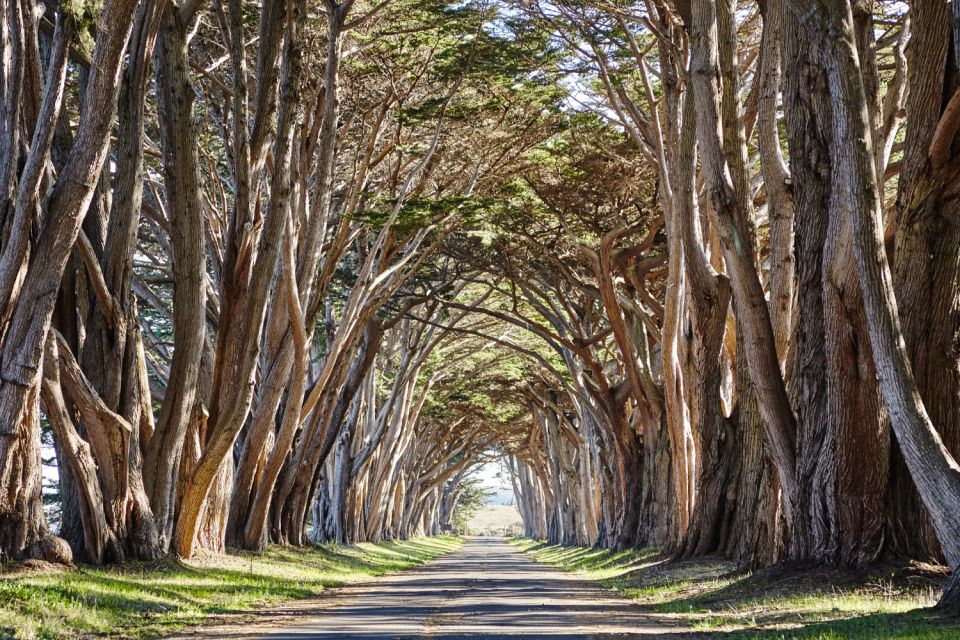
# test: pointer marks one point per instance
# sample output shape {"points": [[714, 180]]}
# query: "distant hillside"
{"points": [[496, 519]]}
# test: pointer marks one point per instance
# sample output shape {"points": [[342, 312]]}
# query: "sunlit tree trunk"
{"points": [[722, 156], [27, 304], [249, 277], [178, 133]]}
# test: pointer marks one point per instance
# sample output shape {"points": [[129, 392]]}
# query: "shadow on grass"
{"points": [[146, 599], [920, 624], [788, 601], [588, 559]]}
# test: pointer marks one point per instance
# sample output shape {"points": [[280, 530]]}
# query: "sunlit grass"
{"points": [[142, 600], [814, 604]]}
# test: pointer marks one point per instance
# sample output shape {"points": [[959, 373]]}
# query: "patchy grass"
{"points": [[792, 603], [142, 600]]}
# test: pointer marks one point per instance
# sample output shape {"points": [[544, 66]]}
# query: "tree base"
{"points": [[51, 549], [950, 600]]}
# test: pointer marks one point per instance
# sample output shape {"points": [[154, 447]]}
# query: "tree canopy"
{"points": [[273, 272]]}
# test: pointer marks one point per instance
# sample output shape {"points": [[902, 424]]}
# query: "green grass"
{"points": [[779, 603], [142, 600]]}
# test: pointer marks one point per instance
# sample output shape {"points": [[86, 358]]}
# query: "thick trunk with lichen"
{"points": [[842, 442], [934, 470], [926, 259]]}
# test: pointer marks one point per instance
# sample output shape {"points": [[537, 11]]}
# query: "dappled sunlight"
{"points": [[782, 602], [595, 563], [485, 591], [146, 599]]}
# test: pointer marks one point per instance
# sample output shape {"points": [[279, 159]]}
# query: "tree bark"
{"points": [[842, 439], [709, 299], [31, 311], [178, 133], [776, 180], [100, 542], [935, 472], [238, 345], [926, 259], [735, 224]]}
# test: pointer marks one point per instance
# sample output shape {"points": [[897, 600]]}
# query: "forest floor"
{"points": [[151, 599], [789, 603]]}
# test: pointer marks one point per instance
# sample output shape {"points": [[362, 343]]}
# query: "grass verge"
{"points": [[145, 600], [788, 603]]}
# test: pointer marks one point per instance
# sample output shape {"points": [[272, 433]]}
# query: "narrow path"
{"points": [[486, 590]]}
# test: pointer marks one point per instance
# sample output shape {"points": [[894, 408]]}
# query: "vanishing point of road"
{"points": [[487, 590]]}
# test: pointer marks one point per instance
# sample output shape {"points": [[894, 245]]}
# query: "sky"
{"points": [[495, 479]]}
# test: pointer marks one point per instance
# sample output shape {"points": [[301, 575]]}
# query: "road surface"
{"points": [[487, 590]]}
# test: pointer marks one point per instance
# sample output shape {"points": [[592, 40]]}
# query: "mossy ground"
{"points": [[143, 600], [788, 602]]}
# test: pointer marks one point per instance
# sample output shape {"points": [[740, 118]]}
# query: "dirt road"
{"points": [[486, 590]]}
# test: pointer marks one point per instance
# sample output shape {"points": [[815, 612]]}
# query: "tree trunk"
{"points": [[23, 525], [758, 528], [238, 343], [30, 312], [732, 207], [842, 441], [99, 542], [776, 180], [926, 259], [182, 188], [935, 472], [950, 600], [709, 300]]}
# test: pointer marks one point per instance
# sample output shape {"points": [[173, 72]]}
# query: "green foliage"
{"points": [[419, 212], [472, 498], [84, 14], [491, 58], [145, 600]]}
